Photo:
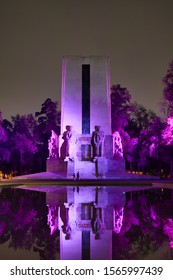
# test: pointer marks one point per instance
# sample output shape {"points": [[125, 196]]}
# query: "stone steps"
{"points": [[86, 169]]}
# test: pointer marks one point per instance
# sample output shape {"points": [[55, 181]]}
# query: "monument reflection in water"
{"points": [[86, 223]]}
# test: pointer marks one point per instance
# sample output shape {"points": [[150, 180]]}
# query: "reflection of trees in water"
{"points": [[23, 222], [142, 231]]}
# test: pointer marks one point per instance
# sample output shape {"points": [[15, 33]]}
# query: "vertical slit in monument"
{"points": [[85, 99], [85, 245]]}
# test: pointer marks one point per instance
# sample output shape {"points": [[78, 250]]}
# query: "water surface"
{"points": [[86, 223]]}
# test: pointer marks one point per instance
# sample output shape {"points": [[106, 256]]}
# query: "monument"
{"points": [[86, 145]]}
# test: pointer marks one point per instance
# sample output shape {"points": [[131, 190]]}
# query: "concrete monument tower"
{"points": [[86, 144], [86, 94]]}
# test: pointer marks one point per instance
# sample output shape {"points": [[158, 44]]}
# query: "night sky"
{"points": [[137, 35]]}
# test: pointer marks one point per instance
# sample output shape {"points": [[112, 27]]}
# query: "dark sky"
{"points": [[137, 35]]}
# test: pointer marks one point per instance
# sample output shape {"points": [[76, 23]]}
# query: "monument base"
{"points": [[86, 169], [117, 165], [55, 165], [101, 167], [70, 168]]}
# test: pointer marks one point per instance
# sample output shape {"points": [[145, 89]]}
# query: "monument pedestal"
{"points": [[86, 169], [55, 165], [101, 167], [116, 165], [70, 168]]}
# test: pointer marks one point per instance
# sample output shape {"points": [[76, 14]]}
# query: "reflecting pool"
{"points": [[88, 223]]}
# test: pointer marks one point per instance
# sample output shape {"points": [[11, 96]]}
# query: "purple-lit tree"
{"points": [[25, 124], [121, 107], [4, 151], [24, 142], [141, 119], [149, 145], [167, 100], [167, 139], [2, 131], [144, 128], [130, 150], [47, 119], [27, 148]]}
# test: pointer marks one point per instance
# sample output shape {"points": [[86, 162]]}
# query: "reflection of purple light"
{"points": [[2, 228], [168, 230], [167, 132], [171, 244]]}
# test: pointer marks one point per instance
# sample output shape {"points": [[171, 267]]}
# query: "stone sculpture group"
{"points": [[68, 147]]}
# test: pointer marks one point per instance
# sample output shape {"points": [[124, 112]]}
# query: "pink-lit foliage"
{"points": [[167, 141], [167, 133]]}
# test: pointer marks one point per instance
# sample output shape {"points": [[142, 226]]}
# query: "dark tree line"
{"points": [[147, 138], [24, 140]]}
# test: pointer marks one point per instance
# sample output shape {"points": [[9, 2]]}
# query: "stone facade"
{"points": [[71, 94], [86, 117]]}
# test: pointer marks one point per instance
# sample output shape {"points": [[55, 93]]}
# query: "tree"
{"points": [[24, 142], [131, 152], [2, 131], [167, 100], [121, 107], [49, 117], [167, 139], [4, 151], [25, 125], [150, 149], [27, 148], [140, 119]]}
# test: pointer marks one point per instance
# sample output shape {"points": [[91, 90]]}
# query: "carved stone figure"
{"points": [[117, 146], [68, 147], [53, 145], [65, 148], [97, 141]]}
